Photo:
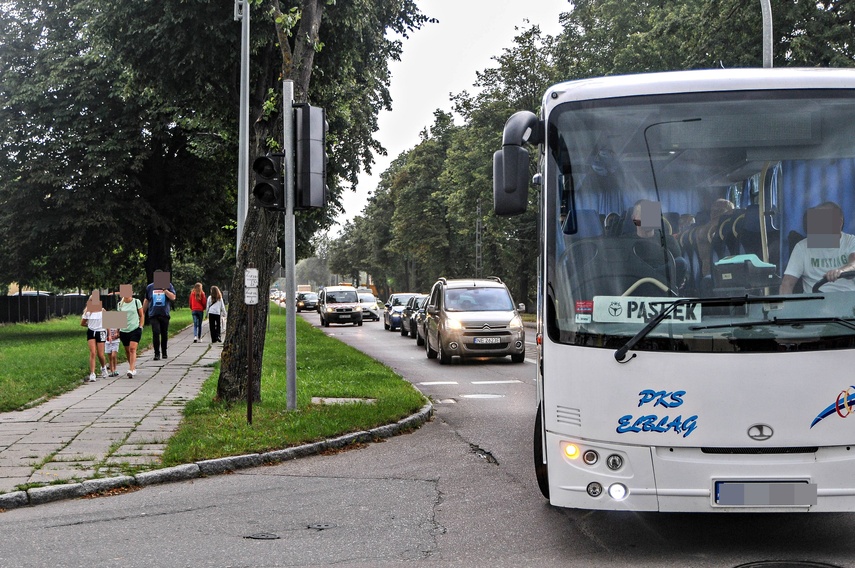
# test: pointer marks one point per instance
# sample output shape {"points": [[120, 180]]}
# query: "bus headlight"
{"points": [[571, 451], [614, 462], [618, 491]]}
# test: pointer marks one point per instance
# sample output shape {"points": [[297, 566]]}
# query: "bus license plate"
{"points": [[765, 494], [488, 340]]}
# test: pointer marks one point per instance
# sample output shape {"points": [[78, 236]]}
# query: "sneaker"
{"points": [[164, 353], [104, 373], [131, 373], [91, 377], [114, 374], [195, 340], [156, 357]]}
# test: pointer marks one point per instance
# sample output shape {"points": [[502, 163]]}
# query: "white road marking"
{"points": [[496, 382], [482, 396], [439, 383]]}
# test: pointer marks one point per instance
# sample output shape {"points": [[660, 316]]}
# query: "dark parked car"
{"points": [[307, 301], [394, 306], [408, 316]]}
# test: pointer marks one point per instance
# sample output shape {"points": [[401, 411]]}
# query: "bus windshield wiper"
{"points": [[848, 323], [620, 354]]}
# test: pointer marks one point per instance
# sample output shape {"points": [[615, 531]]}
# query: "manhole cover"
{"points": [[263, 536], [321, 526], [786, 564]]}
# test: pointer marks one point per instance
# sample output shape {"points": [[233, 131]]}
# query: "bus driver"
{"points": [[826, 252]]}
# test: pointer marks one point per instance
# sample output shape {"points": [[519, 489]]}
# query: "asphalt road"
{"points": [[458, 492]]}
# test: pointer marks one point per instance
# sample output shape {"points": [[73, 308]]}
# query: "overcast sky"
{"points": [[442, 59]]}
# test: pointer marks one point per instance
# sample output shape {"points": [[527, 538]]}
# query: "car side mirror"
{"points": [[432, 310], [388, 305], [521, 307]]}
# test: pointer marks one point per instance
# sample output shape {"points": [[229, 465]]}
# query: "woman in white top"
{"points": [[92, 320], [216, 311]]}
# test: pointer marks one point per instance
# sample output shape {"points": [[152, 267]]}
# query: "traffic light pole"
{"points": [[242, 14], [290, 248]]}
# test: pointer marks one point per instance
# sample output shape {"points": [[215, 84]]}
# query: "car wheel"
{"points": [[359, 323], [403, 330], [444, 356], [431, 354], [419, 339], [518, 357], [385, 325], [413, 332]]}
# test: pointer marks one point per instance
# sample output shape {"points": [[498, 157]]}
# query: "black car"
{"points": [[307, 301], [408, 316]]}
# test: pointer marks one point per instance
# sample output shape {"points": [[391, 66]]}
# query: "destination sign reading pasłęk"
{"points": [[631, 309]]}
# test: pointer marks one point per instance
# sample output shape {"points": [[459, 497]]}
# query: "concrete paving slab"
{"points": [[97, 427]]}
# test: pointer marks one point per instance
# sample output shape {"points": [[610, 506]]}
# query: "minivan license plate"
{"points": [[488, 340]]}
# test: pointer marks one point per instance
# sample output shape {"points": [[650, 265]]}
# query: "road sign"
{"points": [[250, 278], [250, 296]]}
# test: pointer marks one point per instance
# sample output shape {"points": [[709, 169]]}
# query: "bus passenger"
{"points": [[648, 229], [825, 253]]}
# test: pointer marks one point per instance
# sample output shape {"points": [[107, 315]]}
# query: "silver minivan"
{"points": [[473, 318]]}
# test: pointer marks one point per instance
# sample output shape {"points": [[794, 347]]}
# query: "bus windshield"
{"points": [[726, 195]]}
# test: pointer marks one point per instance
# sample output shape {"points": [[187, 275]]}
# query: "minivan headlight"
{"points": [[452, 323], [516, 322]]}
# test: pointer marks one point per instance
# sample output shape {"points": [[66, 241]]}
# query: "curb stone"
{"points": [[47, 494]]}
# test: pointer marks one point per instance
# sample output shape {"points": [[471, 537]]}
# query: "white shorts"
{"points": [[111, 346]]}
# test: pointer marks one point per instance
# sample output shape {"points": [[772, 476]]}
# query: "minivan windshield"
{"points": [[478, 299]]}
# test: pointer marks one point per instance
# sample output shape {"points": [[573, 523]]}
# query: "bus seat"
{"points": [[673, 219]]}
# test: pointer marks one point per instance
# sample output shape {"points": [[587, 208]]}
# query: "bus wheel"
{"points": [[540, 469]]}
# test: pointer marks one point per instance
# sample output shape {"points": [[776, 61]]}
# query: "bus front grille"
{"points": [[800, 450]]}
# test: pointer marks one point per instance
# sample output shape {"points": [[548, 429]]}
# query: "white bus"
{"points": [[696, 319]]}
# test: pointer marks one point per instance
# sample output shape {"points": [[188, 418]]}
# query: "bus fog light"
{"points": [[614, 462], [594, 489], [571, 451], [590, 457], [617, 491]]}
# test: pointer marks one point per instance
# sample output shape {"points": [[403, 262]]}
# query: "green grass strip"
{"points": [[42, 360], [325, 368]]}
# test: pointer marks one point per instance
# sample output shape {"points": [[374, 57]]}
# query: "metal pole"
{"points": [[250, 367], [766, 8], [242, 14], [290, 248]]}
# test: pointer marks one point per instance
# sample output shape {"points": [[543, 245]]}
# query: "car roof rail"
{"points": [[496, 279], [443, 279]]}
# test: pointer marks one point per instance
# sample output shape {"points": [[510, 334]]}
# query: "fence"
{"points": [[31, 308]]}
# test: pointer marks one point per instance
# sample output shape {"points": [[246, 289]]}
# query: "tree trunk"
{"points": [[260, 234], [258, 250]]}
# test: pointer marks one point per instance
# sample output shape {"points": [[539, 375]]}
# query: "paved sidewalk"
{"points": [[97, 426]]}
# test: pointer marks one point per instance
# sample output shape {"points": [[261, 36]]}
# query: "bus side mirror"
{"points": [[510, 180]]}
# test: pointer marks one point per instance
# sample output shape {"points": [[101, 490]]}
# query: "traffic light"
{"points": [[311, 158], [268, 190]]}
